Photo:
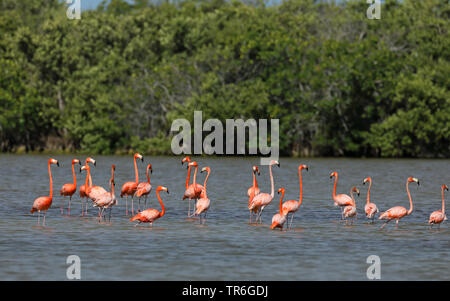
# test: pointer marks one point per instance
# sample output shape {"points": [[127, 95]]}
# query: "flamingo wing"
{"points": [[394, 212], [436, 217], [68, 189], [343, 200], [289, 206], [278, 221], [203, 205], [143, 188], [41, 203]]}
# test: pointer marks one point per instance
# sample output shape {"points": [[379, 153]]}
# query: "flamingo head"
{"points": [[188, 159], [53, 161], [333, 174], [368, 179], [207, 169], [85, 167], [113, 167], [354, 189], [149, 167], [139, 156], [162, 188], [444, 187], [281, 190], [90, 160], [193, 163], [411, 179], [302, 166], [255, 169], [74, 161], [275, 162]]}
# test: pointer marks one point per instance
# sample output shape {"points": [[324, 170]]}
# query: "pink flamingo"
{"points": [[292, 206], [107, 199], [279, 219], [150, 215], [350, 211], [83, 194], [340, 200], [203, 203], [129, 188], [43, 203], [69, 189], [437, 217], [192, 191], [254, 190], [399, 212], [370, 208], [144, 188], [261, 200]]}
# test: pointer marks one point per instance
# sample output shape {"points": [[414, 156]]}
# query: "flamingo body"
{"points": [[192, 193], [342, 200], [147, 216], [370, 209], [278, 221], [396, 212], [68, 189], [128, 189], [437, 217], [42, 203], [202, 205], [143, 189]]}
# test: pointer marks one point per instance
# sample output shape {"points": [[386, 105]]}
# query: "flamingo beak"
{"points": [[57, 163], [167, 190], [279, 164]]}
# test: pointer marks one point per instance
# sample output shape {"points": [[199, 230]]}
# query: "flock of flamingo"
{"points": [[103, 199]]}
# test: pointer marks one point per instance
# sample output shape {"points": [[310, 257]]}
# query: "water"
{"points": [[319, 247]]}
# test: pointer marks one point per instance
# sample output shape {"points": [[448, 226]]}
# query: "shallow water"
{"points": [[227, 247]]}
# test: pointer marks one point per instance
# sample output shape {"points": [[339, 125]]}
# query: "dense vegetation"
{"points": [[341, 84]]}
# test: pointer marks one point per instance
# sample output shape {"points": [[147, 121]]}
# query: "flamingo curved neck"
{"points": [[51, 180], [368, 191], [195, 176], [204, 185], [163, 210], [136, 170], [300, 199], [353, 198], [335, 184], [255, 184], [272, 192], [188, 176], [74, 177], [281, 202], [86, 186], [443, 202], [148, 176], [410, 200]]}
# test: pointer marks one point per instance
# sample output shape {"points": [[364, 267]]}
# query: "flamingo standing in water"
{"points": [[69, 189], [350, 211], [292, 206], [107, 199], [370, 208], [192, 191], [279, 219], [254, 190], [437, 217], [150, 215], [44, 202], [261, 200], [129, 188], [144, 188], [203, 203], [340, 200], [83, 194], [399, 212]]}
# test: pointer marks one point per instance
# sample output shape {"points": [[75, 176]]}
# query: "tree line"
{"points": [[113, 81]]}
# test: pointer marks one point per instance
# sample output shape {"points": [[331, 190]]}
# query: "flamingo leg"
{"points": [[62, 206], [85, 206], [132, 205], [70, 201], [126, 203], [43, 224], [385, 224], [260, 214], [292, 219], [139, 208], [189, 209], [39, 217], [145, 206]]}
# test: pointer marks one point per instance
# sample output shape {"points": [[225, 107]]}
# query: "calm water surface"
{"points": [[319, 247]]}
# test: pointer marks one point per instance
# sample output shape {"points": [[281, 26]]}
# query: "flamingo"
{"points": [[292, 206], [279, 219], [194, 190], [150, 215], [340, 200], [437, 217], [43, 203], [69, 189], [254, 190], [203, 203], [370, 208], [144, 188], [350, 210], [108, 199], [83, 194], [261, 200], [191, 192], [129, 188], [399, 212]]}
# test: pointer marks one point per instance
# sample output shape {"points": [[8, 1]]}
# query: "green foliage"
{"points": [[113, 82]]}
